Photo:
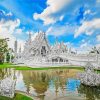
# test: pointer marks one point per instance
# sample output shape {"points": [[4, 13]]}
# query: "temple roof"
{"points": [[38, 40], [59, 46]]}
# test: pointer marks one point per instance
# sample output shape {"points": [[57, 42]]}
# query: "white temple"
{"points": [[39, 52]]}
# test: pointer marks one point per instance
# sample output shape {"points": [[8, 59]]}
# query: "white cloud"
{"points": [[55, 31], [8, 26], [33, 34], [98, 1], [87, 12], [98, 38], [7, 29], [53, 7], [9, 14], [83, 45], [83, 41], [61, 18], [88, 27], [84, 48], [61, 30], [18, 31], [98, 45], [2, 12]]}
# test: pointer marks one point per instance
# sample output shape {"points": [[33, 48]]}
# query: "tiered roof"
{"points": [[38, 40]]}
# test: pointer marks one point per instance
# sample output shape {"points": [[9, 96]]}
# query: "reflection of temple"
{"points": [[40, 53], [7, 83], [39, 81], [42, 82]]}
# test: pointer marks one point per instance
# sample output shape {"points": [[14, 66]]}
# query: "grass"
{"points": [[17, 97], [21, 97], [8, 65], [48, 68]]}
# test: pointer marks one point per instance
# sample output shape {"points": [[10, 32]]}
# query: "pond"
{"points": [[53, 84]]}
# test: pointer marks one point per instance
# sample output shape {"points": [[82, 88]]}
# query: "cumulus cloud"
{"points": [[33, 34], [18, 31], [7, 29], [98, 38], [50, 14], [54, 31], [84, 45], [8, 26], [98, 45], [57, 10], [88, 27], [61, 30], [87, 12], [84, 48]]}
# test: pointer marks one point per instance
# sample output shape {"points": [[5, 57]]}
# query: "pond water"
{"points": [[57, 84]]}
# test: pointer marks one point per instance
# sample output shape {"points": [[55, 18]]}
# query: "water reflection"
{"points": [[91, 93], [51, 84]]}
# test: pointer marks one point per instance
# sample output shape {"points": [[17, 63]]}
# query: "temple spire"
{"points": [[20, 49], [15, 46], [56, 40], [30, 36]]}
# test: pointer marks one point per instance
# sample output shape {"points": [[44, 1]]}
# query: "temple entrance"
{"points": [[59, 60], [43, 51]]}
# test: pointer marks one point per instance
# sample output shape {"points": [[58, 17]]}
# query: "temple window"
{"points": [[43, 51]]}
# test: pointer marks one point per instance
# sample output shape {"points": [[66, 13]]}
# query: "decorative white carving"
{"points": [[39, 52], [7, 87], [89, 77]]}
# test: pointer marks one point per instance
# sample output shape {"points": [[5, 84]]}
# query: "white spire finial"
{"points": [[20, 49], [15, 46], [30, 36]]}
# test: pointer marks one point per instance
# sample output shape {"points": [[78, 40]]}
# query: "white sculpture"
{"points": [[7, 87], [89, 77]]}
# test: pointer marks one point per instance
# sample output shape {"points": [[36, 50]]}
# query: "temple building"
{"points": [[39, 52]]}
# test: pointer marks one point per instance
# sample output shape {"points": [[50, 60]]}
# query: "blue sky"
{"points": [[75, 22]]}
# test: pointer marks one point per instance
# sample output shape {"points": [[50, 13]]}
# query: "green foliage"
{"points": [[17, 97], [3, 49], [8, 57], [1, 58], [3, 45]]}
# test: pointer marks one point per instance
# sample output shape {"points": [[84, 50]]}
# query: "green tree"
{"points": [[3, 49]]}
